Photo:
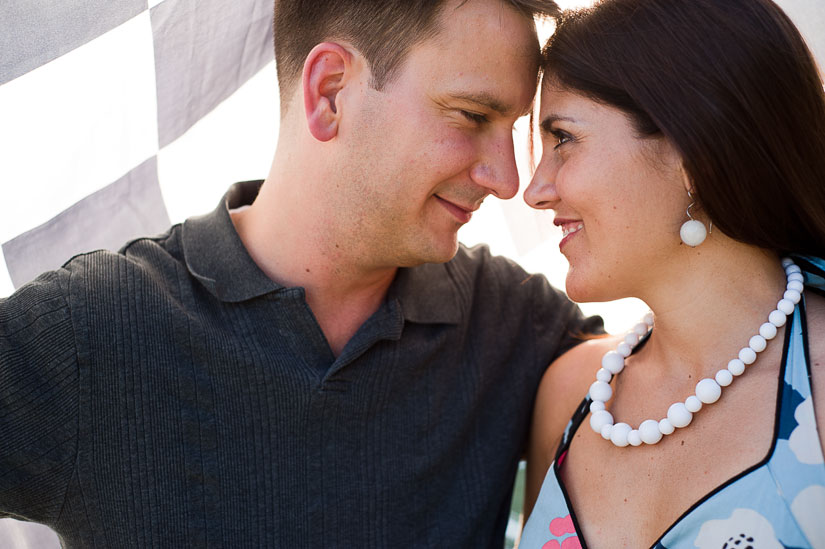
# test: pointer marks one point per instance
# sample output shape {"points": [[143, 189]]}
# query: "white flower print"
{"points": [[804, 441], [744, 529], [808, 509]]}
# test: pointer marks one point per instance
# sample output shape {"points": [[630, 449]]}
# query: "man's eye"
{"points": [[474, 117]]}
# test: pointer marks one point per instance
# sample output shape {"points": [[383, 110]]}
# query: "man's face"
{"points": [[424, 151]]}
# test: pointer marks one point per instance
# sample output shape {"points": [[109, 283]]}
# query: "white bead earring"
{"points": [[693, 232]]}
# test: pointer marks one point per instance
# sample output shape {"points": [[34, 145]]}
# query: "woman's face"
{"points": [[618, 197]]}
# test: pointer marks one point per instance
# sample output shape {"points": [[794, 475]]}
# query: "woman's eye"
{"points": [[561, 138], [474, 117]]}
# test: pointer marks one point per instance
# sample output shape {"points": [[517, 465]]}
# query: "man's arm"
{"points": [[559, 323], [39, 395]]}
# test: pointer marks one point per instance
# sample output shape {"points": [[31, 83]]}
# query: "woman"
{"points": [[705, 118]]}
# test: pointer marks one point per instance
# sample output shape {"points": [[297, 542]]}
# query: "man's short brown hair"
{"points": [[383, 31]]}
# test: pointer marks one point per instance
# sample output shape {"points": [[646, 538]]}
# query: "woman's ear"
{"points": [[325, 71], [686, 181]]}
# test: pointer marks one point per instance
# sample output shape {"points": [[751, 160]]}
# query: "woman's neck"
{"points": [[710, 306]]}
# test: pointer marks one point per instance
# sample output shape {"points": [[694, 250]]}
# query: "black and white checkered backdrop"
{"points": [[95, 99]]}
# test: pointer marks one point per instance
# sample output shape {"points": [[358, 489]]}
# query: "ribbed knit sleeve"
{"points": [[38, 399]]}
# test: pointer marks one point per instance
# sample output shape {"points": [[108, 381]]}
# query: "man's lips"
{"points": [[462, 213]]}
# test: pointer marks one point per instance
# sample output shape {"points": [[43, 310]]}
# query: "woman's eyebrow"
{"points": [[547, 122]]}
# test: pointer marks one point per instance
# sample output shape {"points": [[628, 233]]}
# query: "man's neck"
{"points": [[341, 293]]}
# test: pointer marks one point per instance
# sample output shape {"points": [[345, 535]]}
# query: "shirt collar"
{"points": [[216, 256], [428, 294]]}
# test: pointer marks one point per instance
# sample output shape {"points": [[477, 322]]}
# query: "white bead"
{"points": [[606, 429], [747, 355], [736, 367], [693, 232], [624, 349], [758, 343], [679, 415], [633, 438], [631, 339], [599, 419], [596, 406], [724, 378], [640, 329], [618, 435], [796, 285], [693, 404], [792, 269], [613, 362], [666, 427], [785, 305], [787, 262], [648, 319], [708, 391], [604, 375], [649, 431], [767, 330], [792, 296], [600, 390], [777, 318]]}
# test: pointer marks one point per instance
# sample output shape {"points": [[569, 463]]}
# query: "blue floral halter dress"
{"points": [[777, 503]]}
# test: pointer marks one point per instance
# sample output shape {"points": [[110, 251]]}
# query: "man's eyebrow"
{"points": [[486, 99], [547, 122]]}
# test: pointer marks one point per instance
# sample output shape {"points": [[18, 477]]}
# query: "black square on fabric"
{"points": [[130, 207], [34, 32], [204, 51]]}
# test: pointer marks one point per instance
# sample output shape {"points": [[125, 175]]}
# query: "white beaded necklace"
{"points": [[708, 390]]}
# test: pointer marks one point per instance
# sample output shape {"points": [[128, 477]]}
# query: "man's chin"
{"points": [[435, 253]]}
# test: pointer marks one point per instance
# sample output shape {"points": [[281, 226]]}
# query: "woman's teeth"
{"points": [[570, 229]]}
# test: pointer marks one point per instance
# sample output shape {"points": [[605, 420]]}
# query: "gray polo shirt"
{"points": [[171, 395]]}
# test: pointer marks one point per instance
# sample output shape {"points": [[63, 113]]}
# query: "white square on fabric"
{"points": [[76, 124], [234, 142]]}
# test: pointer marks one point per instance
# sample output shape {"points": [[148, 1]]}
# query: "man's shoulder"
{"points": [[153, 256]]}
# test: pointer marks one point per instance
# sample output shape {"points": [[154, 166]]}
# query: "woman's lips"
{"points": [[568, 230]]}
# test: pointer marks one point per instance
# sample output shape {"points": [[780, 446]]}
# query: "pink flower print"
{"points": [[559, 527], [562, 525]]}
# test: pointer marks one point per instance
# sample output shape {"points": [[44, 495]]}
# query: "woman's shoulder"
{"points": [[577, 366], [563, 387]]}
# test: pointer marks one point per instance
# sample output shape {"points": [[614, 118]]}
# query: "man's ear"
{"points": [[325, 72]]}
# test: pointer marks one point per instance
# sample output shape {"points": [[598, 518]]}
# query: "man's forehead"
{"points": [[489, 15]]}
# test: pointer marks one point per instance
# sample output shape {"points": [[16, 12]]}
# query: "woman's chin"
{"points": [[576, 291], [586, 289]]}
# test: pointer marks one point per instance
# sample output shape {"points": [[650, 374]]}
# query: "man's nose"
{"points": [[496, 169]]}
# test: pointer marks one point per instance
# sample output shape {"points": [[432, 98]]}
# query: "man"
{"points": [[306, 371]]}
